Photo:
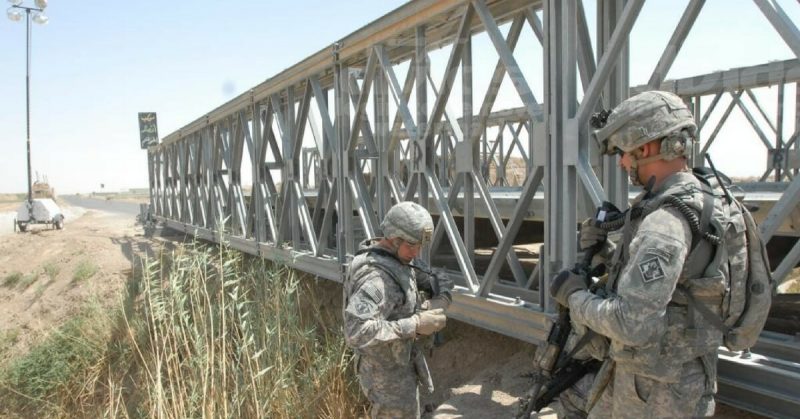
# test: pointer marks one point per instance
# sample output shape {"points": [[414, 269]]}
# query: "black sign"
{"points": [[148, 129]]}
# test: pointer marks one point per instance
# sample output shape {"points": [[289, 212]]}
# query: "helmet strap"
{"points": [[633, 173], [651, 183], [646, 160], [636, 163], [669, 142]]}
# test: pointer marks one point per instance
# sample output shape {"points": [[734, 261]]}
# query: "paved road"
{"points": [[119, 207]]}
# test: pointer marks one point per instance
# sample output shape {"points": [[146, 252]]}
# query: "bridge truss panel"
{"points": [[392, 113]]}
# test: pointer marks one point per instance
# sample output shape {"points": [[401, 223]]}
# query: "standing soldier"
{"points": [[384, 311], [682, 246]]}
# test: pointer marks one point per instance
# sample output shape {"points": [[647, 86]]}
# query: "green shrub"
{"points": [[51, 269], [12, 279], [83, 271], [16, 278], [40, 289], [49, 379], [27, 280]]}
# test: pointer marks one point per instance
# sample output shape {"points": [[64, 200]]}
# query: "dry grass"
{"points": [[201, 332], [14, 198]]}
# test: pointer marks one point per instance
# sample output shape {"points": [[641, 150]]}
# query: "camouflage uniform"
{"points": [[664, 350], [381, 296]]}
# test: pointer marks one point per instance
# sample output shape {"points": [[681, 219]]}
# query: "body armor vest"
{"points": [[717, 256], [361, 269]]}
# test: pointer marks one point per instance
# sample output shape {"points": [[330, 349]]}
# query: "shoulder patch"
{"points": [[662, 253], [651, 270], [373, 292], [364, 307]]}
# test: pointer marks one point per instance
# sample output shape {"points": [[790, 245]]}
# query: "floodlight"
{"points": [[15, 2], [40, 18], [40, 3], [14, 14]]}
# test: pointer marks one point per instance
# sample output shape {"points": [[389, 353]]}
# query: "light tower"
{"points": [[15, 15]]}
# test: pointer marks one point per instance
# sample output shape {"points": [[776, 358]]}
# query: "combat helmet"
{"points": [[643, 118], [408, 221]]}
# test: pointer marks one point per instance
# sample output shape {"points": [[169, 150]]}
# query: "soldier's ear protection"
{"points": [[427, 235], [676, 144]]}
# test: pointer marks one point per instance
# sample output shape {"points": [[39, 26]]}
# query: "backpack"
{"points": [[757, 292], [751, 288]]}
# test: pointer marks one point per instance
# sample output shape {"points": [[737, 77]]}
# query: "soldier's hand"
{"points": [[440, 302], [564, 284], [591, 234], [430, 321]]}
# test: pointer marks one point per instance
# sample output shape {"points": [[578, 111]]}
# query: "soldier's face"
{"points": [[406, 251], [626, 162]]}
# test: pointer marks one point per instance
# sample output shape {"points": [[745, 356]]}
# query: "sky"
{"points": [[97, 63]]}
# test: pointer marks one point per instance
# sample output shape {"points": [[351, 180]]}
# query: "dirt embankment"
{"points": [[46, 276]]}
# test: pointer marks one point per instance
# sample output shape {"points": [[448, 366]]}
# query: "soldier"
{"points": [[384, 311], [664, 351]]}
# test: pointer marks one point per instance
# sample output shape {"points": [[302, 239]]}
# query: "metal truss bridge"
{"points": [[413, 106]]}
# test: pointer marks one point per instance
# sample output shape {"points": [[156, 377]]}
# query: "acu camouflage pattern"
{"points": [[380, 298], [665, 353], [408, 221], [633, 396], [643, 118]]}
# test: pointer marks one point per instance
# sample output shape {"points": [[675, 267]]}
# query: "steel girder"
{"points": [[375, 121]]}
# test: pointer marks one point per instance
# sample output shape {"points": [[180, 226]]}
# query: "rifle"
{"points": [[421, 367], [418, 358], [438, 339], [556, 370]]}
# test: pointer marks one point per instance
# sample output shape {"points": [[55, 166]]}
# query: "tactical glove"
{"points": [[430, 321], [440, 302], [591, 234], [564, 284]]}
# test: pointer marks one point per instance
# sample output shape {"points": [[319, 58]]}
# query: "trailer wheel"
{"points": [[59, 224], [23, 226]]}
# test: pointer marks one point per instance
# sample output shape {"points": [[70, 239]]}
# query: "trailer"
{"points": [[39, 211]]}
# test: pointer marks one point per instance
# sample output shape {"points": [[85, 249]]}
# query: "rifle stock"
{"points": [[546, 359]]}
